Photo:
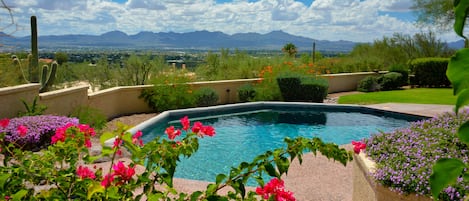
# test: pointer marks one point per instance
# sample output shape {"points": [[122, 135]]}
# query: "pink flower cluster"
{"points": [[358, 146], [22, 130], [275, 189], [121, 172], [61, 133], [198, 128], [84, 172]]}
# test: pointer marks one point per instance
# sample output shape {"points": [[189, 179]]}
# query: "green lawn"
{"points": [[418, 95]]}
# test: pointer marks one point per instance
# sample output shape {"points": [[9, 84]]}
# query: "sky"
{"points": [[353, 20]]}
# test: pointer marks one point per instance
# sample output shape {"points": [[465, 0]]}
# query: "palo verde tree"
{"points": [[434, 13]]}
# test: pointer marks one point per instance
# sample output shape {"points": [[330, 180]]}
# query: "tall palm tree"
{"points": [[290, 49]]}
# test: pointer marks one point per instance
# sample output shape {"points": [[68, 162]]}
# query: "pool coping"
{"points": [[267, 105]]}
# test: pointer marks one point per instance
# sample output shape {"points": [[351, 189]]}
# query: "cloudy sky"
{"points": [[355, 20]]}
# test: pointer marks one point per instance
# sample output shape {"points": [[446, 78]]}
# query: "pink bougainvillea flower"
{"points": [[87, 130], [275, 189], [117, 142], [185, 123], [137, 138], [358, 146], [172, 133], [22, 130], [4, 122], [123, 172], [208, 130], [197, 127], [84, 172], [107, 180]]}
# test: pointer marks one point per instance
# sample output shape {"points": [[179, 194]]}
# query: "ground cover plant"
{"points": [[405, 157], [418, 95]]}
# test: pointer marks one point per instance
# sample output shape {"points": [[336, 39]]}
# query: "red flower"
{"points": [[84, 172], [4, 122], [197, 127], [22, 130], [60, 133], [107, 180], [358, 146], [276, 189], [208, 130], [122, 171], [172, 133], [185, 123], [136, 138]]}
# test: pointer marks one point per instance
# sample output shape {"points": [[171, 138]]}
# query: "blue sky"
{"points": [[354, 20]]}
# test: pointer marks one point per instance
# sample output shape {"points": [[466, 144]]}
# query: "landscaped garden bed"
{"points": [[402, 160]]}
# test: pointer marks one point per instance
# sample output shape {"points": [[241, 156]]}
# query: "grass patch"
{"points": [[418, 95]]}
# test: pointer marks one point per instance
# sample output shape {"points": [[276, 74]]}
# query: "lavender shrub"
{"points": [[405, 157], [40, 129]]}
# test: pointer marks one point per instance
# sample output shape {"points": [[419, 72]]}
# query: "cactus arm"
{"points": [[34, 59], [48, 78]]}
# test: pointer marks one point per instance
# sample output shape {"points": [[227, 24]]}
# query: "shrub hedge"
{"points": [[246, 93], [297, 87], [368, 84], [430, 72], [390, 81], [206, 97]]}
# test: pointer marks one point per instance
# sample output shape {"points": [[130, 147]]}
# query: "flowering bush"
{"points": [[40, 129], [65, 171], [405, 157]]}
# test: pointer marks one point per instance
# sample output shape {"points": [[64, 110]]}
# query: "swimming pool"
{"points": [[247, 130]]}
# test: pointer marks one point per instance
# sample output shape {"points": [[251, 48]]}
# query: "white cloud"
{"points": [[357, 20]]}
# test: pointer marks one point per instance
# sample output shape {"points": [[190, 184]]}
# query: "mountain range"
{"points": [[274, 40]]}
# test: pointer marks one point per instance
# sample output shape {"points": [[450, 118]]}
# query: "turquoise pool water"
{"points": [[242, 136]]}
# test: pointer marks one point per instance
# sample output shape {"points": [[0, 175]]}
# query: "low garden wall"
{"points": [[366, 189], [125, 100]]}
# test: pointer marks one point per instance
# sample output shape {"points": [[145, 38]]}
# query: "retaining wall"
{"points": [[118, 101]]}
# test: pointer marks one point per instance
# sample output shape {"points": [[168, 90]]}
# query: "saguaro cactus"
{"points": [[47, 76]]}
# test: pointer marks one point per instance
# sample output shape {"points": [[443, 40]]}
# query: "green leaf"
{"points": [[3, 180], [106, 136], [463, 132], [95, 187], [220, 178], [269, 168], [195, 196], [445, 172], [19, 195], [211, 188], [282, 164], [461, 8], [156, 196], [463, 99], [457, 71]]}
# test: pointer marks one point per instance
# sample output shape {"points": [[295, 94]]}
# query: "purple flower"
{"points": [[39, 129], [405, 157]]}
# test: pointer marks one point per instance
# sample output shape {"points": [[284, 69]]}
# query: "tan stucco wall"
{"points": [[125, 100], [118, 101], [64, 101], [227, 89], [10, 98], [346, 81]]}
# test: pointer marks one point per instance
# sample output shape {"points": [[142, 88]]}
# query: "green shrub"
{"points": [[297, 87], [246, 93], [289, 85], [390, 81], [430, 72], [206, 97], [403, 70], [91, 116], [368, 84], [165, 96], [33, 109], [314, 89]]}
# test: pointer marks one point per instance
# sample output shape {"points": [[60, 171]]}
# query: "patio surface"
{"points": [[319, 178]]}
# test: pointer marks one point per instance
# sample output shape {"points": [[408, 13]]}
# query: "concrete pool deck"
{"points": [[319, 178]]}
